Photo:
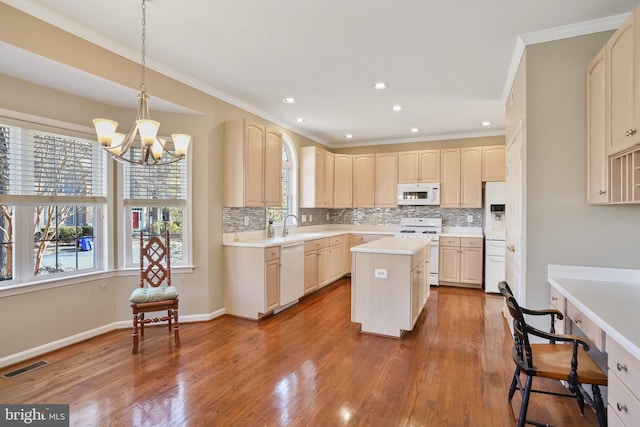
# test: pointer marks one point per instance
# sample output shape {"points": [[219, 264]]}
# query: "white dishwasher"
{"points": [[291, 275], [494, 270]]}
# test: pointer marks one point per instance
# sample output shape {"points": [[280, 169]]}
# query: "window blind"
{"points": [[166, 182]]}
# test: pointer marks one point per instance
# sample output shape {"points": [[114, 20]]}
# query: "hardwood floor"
{"points": [[307, 366]]}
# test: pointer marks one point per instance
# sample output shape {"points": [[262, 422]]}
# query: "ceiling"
{"points": [[447, 64]]}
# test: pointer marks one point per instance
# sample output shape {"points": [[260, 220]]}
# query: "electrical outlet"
{"points": [[304, 218], [469, 218], [380, 273], [327, 216], [310, 218], [246, 220]]}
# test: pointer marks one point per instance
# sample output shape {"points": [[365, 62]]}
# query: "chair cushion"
{"points": [[161, 293]]}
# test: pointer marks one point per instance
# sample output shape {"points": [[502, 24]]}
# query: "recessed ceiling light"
{"points": [[289, 100], [396, 108], [299, 120], [486, 123], [414, 130], [380, 86], [349, 136]]}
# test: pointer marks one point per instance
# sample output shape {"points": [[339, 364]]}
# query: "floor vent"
{"points": [[25, 369]]}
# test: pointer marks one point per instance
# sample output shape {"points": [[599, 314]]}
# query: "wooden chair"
{"points": [[570, 362], [155, 292]]}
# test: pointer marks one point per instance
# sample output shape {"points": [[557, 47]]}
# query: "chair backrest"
{"points": [[155, 263], [520, 327]]}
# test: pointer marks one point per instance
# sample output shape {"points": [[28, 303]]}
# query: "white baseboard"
{"points": [[82, 336]]}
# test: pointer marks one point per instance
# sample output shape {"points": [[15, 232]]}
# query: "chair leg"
{"points": [[135, 334], [580, 399], [176, 328], [597, 401], [141, 319], [514, 383], [525, 402], [169, 315]]}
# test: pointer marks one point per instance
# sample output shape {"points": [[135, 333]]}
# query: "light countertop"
{"points": [[610, 297], [473, 232], [393, 246]]}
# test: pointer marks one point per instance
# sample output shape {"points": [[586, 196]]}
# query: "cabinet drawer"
{"points": [[557, 301], [622, 402], [450, 241], [272, 253], [586, 325], [310, 245], [624, 366], [337, 240], [470, 242]]}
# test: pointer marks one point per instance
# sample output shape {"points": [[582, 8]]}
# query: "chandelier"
{"points": [[152, 148]]}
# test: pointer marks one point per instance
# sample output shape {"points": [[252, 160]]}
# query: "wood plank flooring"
{"points": [[307, 366]]}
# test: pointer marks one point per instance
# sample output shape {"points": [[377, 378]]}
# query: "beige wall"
{"points": [[560, 227]]}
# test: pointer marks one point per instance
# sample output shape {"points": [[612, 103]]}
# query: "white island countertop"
{"points": [[610, 297], [394, 245]]}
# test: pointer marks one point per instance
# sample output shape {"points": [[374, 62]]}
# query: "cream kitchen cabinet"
{"points": [[354, 240], [625, 177], [251, 292], [339, 264], [493, 164], [343, 183], [363, 181], [386, 180], [624, 386], [461, 178], [316, 178], [558, 302], [624, 86], [461, 261], [252, 165], [597, 160], [317, 274], [419, 166]]}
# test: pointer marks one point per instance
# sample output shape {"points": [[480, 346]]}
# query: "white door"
{"points": [[514, 215]]}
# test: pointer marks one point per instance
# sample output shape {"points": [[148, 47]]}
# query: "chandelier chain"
{"points": [[144, 37]]}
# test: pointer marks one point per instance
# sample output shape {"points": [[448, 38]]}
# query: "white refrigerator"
{"points": [[494, 235]]}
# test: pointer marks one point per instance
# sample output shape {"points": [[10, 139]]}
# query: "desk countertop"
{"points": [[610, 297]]}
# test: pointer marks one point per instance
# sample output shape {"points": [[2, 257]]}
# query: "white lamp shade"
{"points": [[116, 144], [148, 130], [181, 143], [156, 149], [105, 129]]}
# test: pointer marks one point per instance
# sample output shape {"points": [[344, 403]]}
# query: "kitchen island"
{"points": [[389, 284]]}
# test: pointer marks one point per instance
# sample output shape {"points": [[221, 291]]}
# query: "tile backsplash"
{"points": [[234, 219]]}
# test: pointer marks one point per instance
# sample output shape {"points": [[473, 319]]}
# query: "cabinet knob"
{"points": [[554, 298], [511, 248], [621, 367], [602, 192], [621, 407], [630, 132], [578, 321]]}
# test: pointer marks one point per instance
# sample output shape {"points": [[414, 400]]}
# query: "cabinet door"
{"points": [[254, 165], [273, 169], [597, 160], [622, 88], [416, 294], [408, 169], [493, 163], [324, 272], [272, 284], [336, 262], [329, 171], [450, 178], [471, 265], [386, 176], [343, 194], [363, 181], [310, 271], [449, 264], [471, 177], [429, 166], [319, 178]]}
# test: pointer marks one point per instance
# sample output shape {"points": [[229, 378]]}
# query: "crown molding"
{"points": [[443, 137]]}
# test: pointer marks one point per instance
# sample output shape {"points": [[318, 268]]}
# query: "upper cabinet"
{"points": [[461, 178], [419, 166], [624, 98], [597, 159], [363, 181], [316, 178], [493, 163], [253, 165], [386, 182], [343, 194]]}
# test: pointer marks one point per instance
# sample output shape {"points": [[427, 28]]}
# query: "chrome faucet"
{"points": [[284, 224]]}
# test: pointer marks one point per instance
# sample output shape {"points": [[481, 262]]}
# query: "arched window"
{"points": [[289, 183]]}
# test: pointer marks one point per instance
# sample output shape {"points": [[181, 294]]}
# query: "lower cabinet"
{"points": [[251, 292], [624, 386], [325, 261], [461, 261], [558, 302], [338, 261]]}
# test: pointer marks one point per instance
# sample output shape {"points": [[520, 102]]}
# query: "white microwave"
{"points": [[419, 194]]}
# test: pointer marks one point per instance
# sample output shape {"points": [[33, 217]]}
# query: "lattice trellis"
{"points": [[155, 267]]}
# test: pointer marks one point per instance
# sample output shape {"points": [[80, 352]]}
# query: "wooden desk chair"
{"points": [[155, 292], [570, 362]]}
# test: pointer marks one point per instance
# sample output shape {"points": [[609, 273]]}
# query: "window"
{"points": [[289, 184], [155, 200], [52, 192]]}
